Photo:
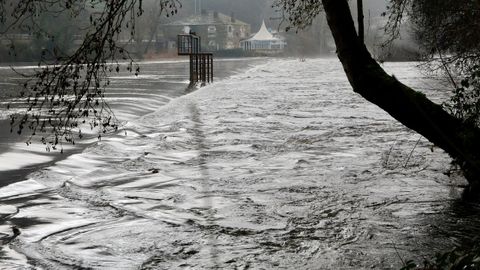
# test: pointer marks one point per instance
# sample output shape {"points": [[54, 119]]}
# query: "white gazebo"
{"points": [[263, 40]]}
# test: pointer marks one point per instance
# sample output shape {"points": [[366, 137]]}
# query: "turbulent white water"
{"points": [[128, 95], [280, 167]]}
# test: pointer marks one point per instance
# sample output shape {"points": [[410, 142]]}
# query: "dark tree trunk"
{"points": [[361, 25], [409, 107]]}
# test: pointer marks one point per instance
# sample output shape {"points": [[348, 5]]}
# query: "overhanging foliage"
{"points": [[68, 89]]}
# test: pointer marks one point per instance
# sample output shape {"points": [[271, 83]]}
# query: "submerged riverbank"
{"points": [[279, 167]]}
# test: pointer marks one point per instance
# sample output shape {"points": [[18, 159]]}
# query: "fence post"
{"points": [[208, 68], [191, 68], [211, 69]]}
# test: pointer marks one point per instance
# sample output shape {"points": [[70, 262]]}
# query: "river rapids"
{"points": [[280, 166]]}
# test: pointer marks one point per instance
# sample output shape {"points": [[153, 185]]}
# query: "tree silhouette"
{"points": [[68, 89], [459, 138]]}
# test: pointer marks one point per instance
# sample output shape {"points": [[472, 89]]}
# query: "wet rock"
{"points": [[153, 170]]}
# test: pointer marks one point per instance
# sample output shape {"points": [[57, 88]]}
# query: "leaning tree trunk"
{"points": [[361, 25], [411, 108]]}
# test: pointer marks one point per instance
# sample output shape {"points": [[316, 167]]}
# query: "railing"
{"points": [[201, 67], [201, 64], [188, 44]]}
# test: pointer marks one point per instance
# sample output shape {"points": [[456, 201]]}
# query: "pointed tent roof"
{"points": [[263, 34]]}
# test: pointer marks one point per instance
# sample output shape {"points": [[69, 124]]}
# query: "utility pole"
{"points": [[361, 26]]}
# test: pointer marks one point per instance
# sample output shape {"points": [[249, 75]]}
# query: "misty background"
{"points": [[63, 34]]}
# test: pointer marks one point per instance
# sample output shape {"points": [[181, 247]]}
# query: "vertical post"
{"points": [[194, 71], [208, 68], [211, 67], [207, 76], [200, 73], [199, 68], [361, 26], [197, 79], [203, 68], [195, 45], [194, 80], [191, 68]]}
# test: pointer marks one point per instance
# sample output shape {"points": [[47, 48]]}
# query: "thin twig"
{"points": [[411, 152]]}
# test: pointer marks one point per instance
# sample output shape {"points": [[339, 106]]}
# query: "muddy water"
{"points": [[279, 167]]}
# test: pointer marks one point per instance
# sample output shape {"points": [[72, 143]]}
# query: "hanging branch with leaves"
{"points": [[300, 13], [67, 91]]}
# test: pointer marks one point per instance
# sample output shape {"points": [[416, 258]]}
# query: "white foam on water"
{"points": [[281, 166]]}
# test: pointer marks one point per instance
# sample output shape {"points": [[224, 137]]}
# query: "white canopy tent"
{"points": [[263, 40]]}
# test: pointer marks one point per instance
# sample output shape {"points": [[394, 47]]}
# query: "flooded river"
{"points": [[128, 95], [281, 166]]}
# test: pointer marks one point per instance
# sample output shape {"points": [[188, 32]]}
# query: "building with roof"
{"points": [[216, 30], [264, 41]]}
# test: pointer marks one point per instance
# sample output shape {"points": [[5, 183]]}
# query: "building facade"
{"points": [[216, 30]]}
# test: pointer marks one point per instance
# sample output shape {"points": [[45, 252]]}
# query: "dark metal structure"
{"points": [[201, 63]]}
